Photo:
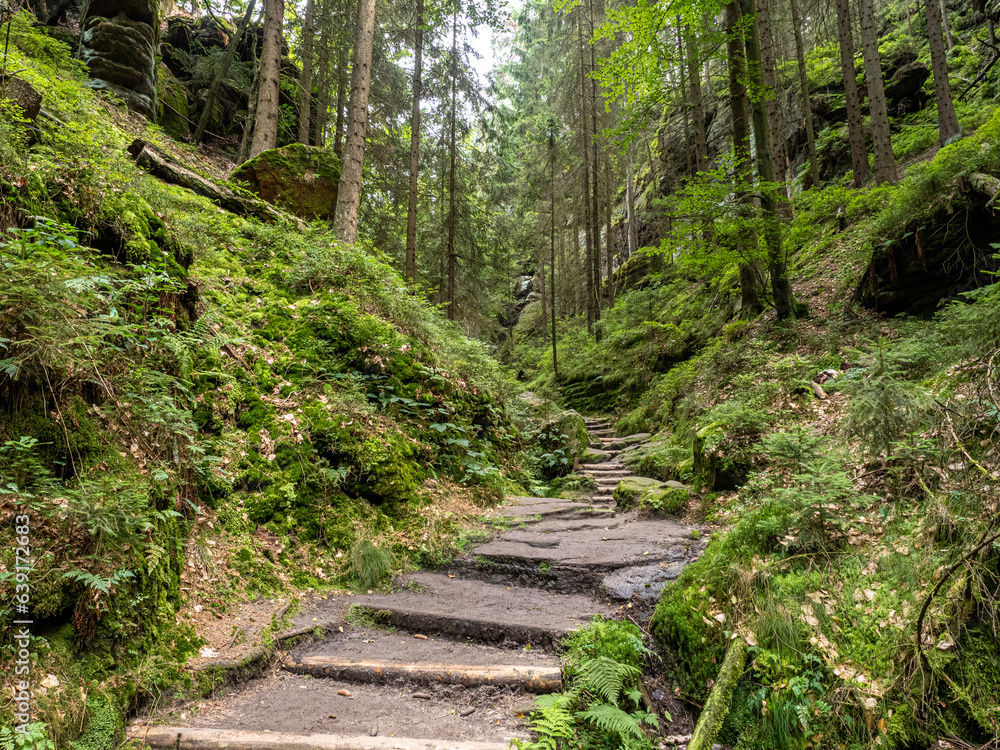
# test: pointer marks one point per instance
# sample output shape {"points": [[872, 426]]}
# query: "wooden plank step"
{"points": [[540, 679], [199, 738]]}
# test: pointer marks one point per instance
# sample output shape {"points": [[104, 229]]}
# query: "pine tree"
{"points": [[885, 165], [352, 167], [855, 133], [265, 128]]}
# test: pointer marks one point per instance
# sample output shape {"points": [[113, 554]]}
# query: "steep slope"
{"points": [[201, 408]]}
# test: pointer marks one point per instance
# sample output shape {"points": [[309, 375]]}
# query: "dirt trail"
{"points": [[455, 657]]}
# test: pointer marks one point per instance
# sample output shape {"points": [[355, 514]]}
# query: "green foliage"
{"points": [[35, 738], [883, 408], [371, 565], [601, 705]]}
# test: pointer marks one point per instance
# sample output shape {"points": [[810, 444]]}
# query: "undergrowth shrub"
{"points": [[370, 564], [883, 408], [601, 706]]}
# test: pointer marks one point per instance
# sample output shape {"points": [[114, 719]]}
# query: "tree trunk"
{"points": [[806, 104], [452, 183], [578, 263], [781, 289], [719, 699], [633, 234], [552, 248], [585, 131], [265, 127], [697, 103], [544, 294], [770, 92], [749, 287], [681, 93], [856, 136], [343, 51], [947, 120], [947, 29], [885, 164], [609, 242], [244, 153], [352, 166], [324, 74], [213, 90], [411, 215], [305, 82], [595, 208]]}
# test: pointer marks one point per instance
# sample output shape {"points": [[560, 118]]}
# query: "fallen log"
{"points": [[717, 706], [531, 678], [165, 168]]}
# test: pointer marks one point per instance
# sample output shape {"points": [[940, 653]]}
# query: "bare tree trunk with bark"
{"points": [[697, 102], [324, 76], [781, 288], [947, 120], [265, 128], [751, 305], [885, 163], [806, 103], [855, 133], [352, 168], [411, 214], [305, 82], [452, 183], [585, 132]]}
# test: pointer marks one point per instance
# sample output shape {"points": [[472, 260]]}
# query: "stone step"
{"points": [[204, 738], [484, 612], [608, 466], [535, 509], [532, 679], [578, 560]]}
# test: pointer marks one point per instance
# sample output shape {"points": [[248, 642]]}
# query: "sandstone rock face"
{"points": [[301, 179], [173, 115], [904, 90], [119, 46]]}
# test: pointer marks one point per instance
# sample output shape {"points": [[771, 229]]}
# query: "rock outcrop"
{"points": [[119, 44], [904, 89]]}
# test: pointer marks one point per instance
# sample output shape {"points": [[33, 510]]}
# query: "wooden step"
{"points": [[541, 679], [199, 738]]}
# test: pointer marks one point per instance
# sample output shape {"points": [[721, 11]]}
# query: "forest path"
{"points": [[454, 658]]}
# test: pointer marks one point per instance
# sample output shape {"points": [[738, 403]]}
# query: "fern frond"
{"points": [[552, 723], [612, 719], [606, 677]]}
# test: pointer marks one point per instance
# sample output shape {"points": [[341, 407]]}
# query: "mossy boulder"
{"points": [[717, 462], [663, 459], [302, 179], [594, 456], [631, 489], [667, 499], [569, 429], [627, 441]]}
